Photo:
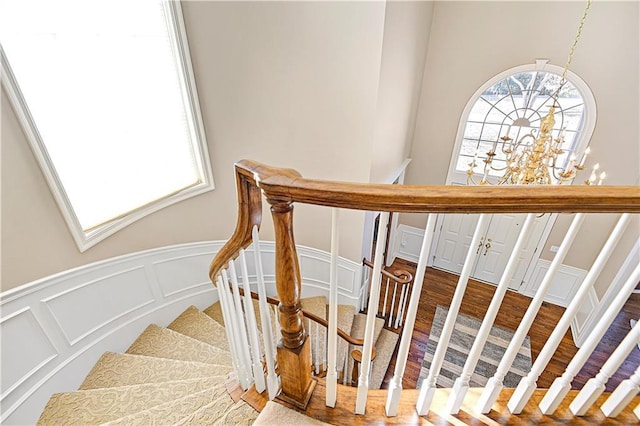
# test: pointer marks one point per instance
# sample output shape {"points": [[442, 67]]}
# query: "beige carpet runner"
{"points": [[177, 375]]}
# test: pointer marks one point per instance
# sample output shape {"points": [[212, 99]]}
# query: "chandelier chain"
{"points": [[575, 42]]}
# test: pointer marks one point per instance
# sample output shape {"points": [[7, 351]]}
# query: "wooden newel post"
{"points": [[294, 364]]}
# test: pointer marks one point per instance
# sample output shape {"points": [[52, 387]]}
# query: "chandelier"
{"points": [[534, 158]]}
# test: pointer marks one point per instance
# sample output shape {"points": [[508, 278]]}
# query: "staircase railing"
{"points": [[284, 187], [397, 287]]}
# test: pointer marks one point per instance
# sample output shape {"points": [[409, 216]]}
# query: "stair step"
{"points": [[357, 331], [96, 406], [215, 312], [196, 324], [175, 411], [240, 414], [113, 370], [385, 345], [161, 342], [346, 314], [276, 414], [316, 305]]}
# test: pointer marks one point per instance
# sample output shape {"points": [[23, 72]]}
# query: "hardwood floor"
{"points": [[438, 289]]}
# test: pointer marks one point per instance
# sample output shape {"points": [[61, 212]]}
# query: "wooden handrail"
{"points": [[399, 275], [282, 188], [343, 334], [287, 185]]}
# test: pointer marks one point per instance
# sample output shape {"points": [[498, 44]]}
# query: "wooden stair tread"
{"points": [[198, 325], [343, 413], [161, 342], [106, 404], [114, 369]]}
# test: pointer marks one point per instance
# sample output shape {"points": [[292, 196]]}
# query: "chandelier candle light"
{"points": [[535, 158]]}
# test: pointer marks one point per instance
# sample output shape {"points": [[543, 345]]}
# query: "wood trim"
{"points": [[343, 334], [249, 215], [288, 185], [401, 276]]}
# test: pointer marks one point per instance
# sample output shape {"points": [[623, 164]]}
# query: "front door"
{"points": [[494, 250]]}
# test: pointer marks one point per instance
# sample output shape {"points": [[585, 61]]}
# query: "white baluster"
{"points": [[404, 303], [228, 326], [252, 327], [516, 401], [244, 375], [318, 355], [384, 304], [528, 384], [393, 303], [461, 384], [311, 341], [429, 384], [622, 396], [332, 332], [596, 385], [561, 385], [345, 367], [228, 312], [273, 385], [395, 385], [400, 303], [374, 299]]}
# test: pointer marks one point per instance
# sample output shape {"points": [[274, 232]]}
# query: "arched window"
{"points": [[512, 104]]}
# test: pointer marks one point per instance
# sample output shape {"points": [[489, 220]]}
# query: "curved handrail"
{"points": [[286, 185], [399, 275], [343, 334]]}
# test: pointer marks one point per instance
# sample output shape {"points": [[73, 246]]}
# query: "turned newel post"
{"points": [[294, 365]]}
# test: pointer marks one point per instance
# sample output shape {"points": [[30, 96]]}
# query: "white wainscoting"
{"points": [[54, 329], [409, 241], [563, 287]]}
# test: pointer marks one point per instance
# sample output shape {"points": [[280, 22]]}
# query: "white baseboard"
{"points": [[54, 329]]}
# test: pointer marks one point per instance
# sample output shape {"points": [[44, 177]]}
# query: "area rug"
{"points": [[464, 333]]}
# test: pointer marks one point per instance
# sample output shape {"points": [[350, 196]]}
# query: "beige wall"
{"points": [[470, 42], [286, 83], [406, 33]]}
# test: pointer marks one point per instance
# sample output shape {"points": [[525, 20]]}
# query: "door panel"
{"points": [[453, 243], [500, 238]]}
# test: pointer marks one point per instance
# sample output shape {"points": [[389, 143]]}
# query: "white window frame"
{"points": [[86, 239], [541, 65]]}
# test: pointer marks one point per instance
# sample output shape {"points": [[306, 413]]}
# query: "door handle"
{"points": [[487, 247], [480, 245]]}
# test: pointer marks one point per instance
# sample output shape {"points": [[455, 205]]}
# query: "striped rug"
{"points": [[464, 333]]}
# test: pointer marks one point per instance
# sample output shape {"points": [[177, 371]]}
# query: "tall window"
{"points": [[106, 95], [513, 104]]}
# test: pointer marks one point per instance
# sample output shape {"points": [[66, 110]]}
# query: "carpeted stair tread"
{"points": [[175, 411], [161, 342], [221, 412], [241, 414], [357, 331], [276, 414], [196, 324], [316, 305], [215, 313], [97, 406], [114, 369], [345, 322], [385, 345]]}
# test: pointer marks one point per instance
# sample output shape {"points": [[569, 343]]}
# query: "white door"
{"points": [[495, 248]]}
